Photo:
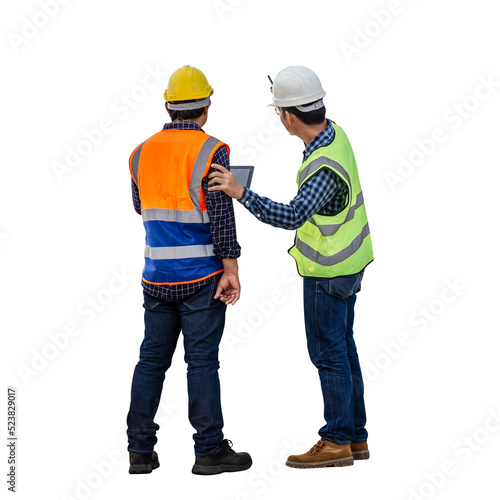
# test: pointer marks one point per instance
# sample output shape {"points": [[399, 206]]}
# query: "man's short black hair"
{"points": [[186, 114], [316, 117]]}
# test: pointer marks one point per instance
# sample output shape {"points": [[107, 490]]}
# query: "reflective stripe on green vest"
{"points": [[330, 246]]}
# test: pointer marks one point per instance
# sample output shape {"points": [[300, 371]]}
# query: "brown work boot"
{"points": [[323, 454], [360, 451]]}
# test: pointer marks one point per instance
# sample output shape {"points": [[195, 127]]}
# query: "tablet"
{"points": [[243, 175]]}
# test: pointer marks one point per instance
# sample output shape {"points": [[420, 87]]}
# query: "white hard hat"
{"points": [[296, 86]]}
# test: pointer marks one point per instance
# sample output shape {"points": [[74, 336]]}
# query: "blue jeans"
{"points": [[329, 317], [201, 319]]}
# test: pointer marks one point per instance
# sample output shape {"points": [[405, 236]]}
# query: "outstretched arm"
{"points": [[317, 191]]}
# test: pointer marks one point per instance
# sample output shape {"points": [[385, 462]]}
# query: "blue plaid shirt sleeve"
{"points": [[313, 194], [221, 213]]}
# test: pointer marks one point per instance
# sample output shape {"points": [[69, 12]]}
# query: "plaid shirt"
{"points": [[325, 193], [222, 224]]}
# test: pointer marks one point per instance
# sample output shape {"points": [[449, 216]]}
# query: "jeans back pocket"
{"points": [[345, 286]]}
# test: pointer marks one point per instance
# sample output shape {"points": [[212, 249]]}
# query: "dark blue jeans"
{"points": [[201, 319], [329, 318]]}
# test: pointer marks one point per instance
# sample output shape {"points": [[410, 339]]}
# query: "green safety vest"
{"points": [[339, 245]]}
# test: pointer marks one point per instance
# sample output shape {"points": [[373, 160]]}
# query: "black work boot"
{"points": [[143, 463], [223, 459]]}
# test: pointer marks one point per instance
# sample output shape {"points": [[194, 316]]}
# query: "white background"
{"points": [[426, 322]]}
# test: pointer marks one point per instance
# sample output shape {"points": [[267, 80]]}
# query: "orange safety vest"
{"points": [[168, 169]]}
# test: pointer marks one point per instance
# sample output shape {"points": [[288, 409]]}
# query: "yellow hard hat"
{"points": [[186, 84]]}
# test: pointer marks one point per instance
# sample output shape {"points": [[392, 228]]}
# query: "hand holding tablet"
{"points": [[243, 175], [233, 182]]}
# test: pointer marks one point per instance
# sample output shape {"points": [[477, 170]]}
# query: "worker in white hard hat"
{"points": [[332, 248]]}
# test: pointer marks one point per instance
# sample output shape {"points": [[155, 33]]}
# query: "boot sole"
{"points": [[211, 470], [144, 469], [339, 462], [361, 455]]}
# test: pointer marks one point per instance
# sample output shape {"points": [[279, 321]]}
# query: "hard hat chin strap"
{"points": [[181, 106], [311, 107]]}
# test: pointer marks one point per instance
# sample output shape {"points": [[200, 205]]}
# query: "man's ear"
{"points": [[205, 111], [289, 118], [168, 111]]}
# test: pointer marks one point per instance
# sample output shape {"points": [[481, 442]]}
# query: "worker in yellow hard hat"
{"points": [[190, 275], [188, 84]]}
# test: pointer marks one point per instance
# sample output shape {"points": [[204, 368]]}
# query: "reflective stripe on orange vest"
{"points": [[174, 215]]}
